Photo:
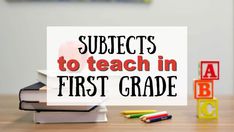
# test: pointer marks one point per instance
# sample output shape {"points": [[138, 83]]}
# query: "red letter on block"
{"points": [[203, 89], [209, 70]]}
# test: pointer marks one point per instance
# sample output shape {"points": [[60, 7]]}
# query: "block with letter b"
{"points": [[207, 108], [203, 89], [209, 70]]}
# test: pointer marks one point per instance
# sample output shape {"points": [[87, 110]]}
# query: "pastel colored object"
{"points": [[135, 115], [209, 70], [156, 116], [127, 112], [207, 108], [159, 119], [144, 117], [203, 89]]}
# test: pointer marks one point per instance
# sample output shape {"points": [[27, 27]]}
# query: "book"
{"points": [[41, 106], [34, 98], [96, 115], [41, 76], [34, 92]]}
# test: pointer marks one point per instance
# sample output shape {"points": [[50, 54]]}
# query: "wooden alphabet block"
{"points": [[209, 70], [203, 89], [207, 108]]}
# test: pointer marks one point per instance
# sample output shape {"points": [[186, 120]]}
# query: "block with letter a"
{"points": [[203, 89], [207, 108], [209, 70]]}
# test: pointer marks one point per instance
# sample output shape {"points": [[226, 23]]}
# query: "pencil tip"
{"points": [[127, 116], [147, 121]]}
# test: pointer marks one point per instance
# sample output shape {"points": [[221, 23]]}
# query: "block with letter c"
{"points": [[207, 108]]}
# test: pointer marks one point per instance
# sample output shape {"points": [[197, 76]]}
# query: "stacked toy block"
{"points": [[207, 104]]}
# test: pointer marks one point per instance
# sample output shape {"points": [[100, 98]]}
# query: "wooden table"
{"points": [[184, 119]]}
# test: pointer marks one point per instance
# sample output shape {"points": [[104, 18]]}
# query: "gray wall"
{"points": [[23, 32]]}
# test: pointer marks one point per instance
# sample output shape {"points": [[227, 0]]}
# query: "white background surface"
{"points": [[165, 39], [23, 33]]}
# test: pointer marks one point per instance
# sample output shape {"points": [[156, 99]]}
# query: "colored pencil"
{"points": [[127, 112], [156, 116], [135, 115], [153, 114], [158, 119]]}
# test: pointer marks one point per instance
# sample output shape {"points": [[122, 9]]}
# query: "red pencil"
{"points": [[155, 116], [144, 117]]}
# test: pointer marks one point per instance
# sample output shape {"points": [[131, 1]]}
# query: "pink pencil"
{"points": [[155, 116]]}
